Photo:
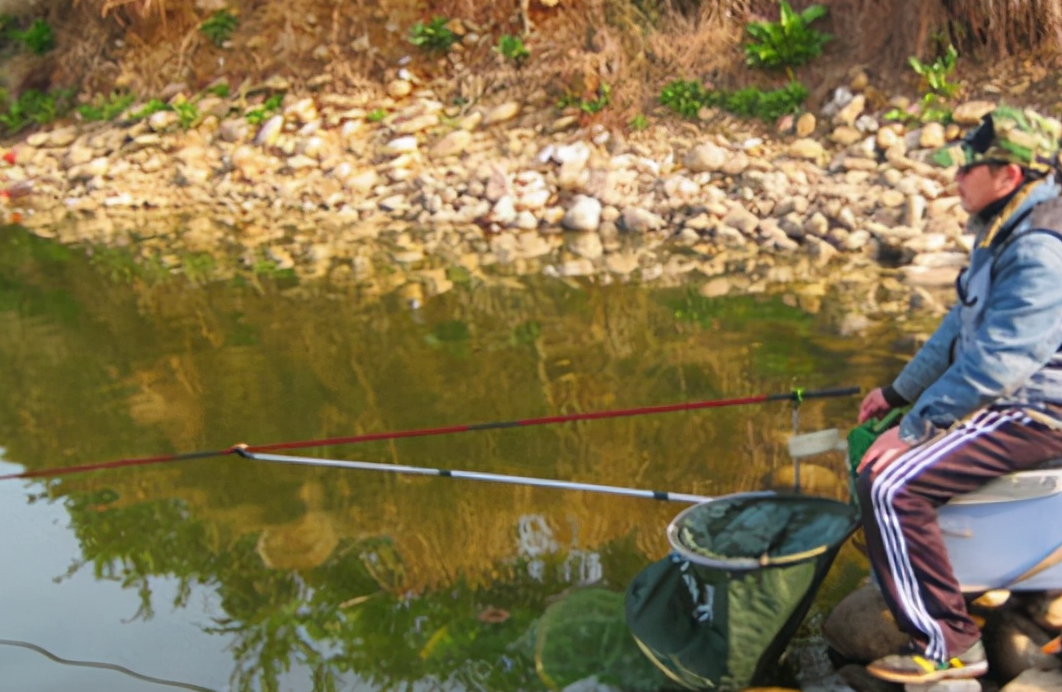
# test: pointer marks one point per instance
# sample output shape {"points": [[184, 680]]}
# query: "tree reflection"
{"points": [[388, 579]]}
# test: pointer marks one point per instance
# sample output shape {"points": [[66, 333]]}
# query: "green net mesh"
{"points": [[585, 635]]}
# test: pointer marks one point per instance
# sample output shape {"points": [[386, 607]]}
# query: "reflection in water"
{"points": [[102, 666], [354, 580]]}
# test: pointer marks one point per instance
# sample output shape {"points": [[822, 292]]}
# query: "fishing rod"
{"points": [[796, 396], [474, 476]]}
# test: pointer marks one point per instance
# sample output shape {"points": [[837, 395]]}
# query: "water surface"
{"points": [[224, 573]]}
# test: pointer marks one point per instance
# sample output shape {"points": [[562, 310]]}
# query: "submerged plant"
{"points": [[789, 42], [434, 37]]}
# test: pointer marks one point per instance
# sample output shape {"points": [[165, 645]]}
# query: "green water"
{"points": [[224, 573]]}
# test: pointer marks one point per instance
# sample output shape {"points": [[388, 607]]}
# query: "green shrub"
{"points": [[687, 98], [604, 97], [37, 37], [258, 115], [936, 76], [219, 27], [150, 108], [376, 115], [512, 48], [434, 37], [106, 108], [789, 41], [220, 90], [936, 86], [33, 107], [683, 97], [187, 113], [638, 123]]}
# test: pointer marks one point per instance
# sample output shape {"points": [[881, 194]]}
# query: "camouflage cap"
{"points": [[1007, 135]]}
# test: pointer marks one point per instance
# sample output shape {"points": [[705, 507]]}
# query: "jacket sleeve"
{"points": [[930, 362], [1020, 332]]}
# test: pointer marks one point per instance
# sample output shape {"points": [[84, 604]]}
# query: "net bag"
{"points": [[720, 610]]}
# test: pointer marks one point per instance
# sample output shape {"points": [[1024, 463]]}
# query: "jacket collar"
{"points": [[1030, 194]]}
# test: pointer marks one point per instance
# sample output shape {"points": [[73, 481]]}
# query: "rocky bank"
{"points": [[346, 185]]}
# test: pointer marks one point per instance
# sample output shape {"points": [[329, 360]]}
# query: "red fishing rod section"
{"points": [[796, 396]]}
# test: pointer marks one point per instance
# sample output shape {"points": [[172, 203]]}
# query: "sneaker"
{"points": [[914, 668]]}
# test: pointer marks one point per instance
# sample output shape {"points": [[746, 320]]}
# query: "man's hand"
{"points": [[884, 451], [873, 406]]}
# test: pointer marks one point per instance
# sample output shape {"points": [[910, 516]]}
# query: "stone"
{"points": [[706, 157], [638, 220], [583, 215], [971, 112], [399, 88], [861, 628], [1035, 681], [452, 144], [400, 145], [932, 136], [807, 149], [1013, 641], [960, 685], [850, 111], [805, 125], [503, 113]]}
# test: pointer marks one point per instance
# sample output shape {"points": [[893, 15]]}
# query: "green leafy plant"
{"points": [[684, 97], [687, 98], [219, 26], [638, 123], [37, 37], [258, 115], [512, 48], [434, 37], [150, 108], [220, 90], [33, 107], [376, 115], [105, 108], [936, 76], [596, 105], [789, 42], [936, 86], [187, 113]]}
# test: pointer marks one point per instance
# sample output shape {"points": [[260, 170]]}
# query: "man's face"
{"points": [[980, 185]]}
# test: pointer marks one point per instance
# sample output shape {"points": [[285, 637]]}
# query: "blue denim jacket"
{"points": [[999, 345]]}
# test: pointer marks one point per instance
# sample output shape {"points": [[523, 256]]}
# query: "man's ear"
{"points": [[1014, 174]]}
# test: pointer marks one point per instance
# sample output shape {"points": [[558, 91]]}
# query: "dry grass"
{"points": [[577, 45]]}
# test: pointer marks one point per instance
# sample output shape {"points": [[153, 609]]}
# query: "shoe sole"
{"points": [[974, 670]]}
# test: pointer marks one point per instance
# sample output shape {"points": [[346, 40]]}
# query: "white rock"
{"points": [[583, 215], [452, 144], [270, 131], [706, 157], [502, 113], [401, 145]]}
